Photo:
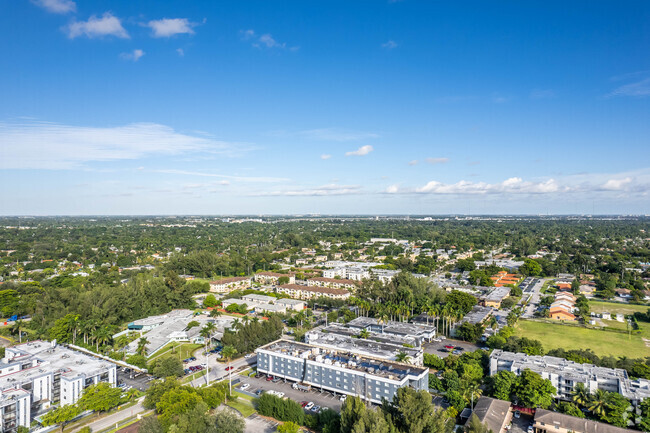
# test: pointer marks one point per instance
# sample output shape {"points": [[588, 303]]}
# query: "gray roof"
{"points": [[491, 412], [575, 424]]}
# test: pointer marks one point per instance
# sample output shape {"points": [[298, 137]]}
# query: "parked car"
{"points": [[230, 368], [309, 405], [315, 409], [459, 348], [259, 392], [517, 414], [343, 397], [280, 394], [304, 403], [245, 386], [449, 346], [269, 378]]}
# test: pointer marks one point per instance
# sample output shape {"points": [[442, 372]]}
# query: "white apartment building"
{"points": [[226, 285], [309, 292], [38, 374]]}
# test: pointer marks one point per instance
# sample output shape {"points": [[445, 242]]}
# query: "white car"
{"points": [[245, 386], [309, 405], [280, 394], [248, 355], [343, 397]]}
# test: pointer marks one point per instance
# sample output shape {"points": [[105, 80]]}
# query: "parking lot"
{"points": [[521, 424], [323, 399], [438, 348], [133, 379]]}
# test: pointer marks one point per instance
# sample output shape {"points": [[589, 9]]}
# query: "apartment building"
{"points": [[309, 292], [273, 277], [418, 331], [339, 371], [495, 297], [565, 374], [332, 282], [38, 374], [226, 285], [339, 338]]}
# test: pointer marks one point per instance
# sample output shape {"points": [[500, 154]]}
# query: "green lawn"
{"points": [[243, 404], [614, 307], [603, 343], [185, 349]]}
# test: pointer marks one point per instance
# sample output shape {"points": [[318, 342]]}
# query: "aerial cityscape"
{"points": [[390, 216]]}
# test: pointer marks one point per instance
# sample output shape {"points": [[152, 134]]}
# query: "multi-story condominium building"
{"points": [[38, 374], [332, 282], [419, 331], [309, 292], [226, 285], [565, 374], [272, 277], [340, 338], [339, 371], [384, 275]]}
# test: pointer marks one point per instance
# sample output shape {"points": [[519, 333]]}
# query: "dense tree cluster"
{"points": [[249, 335]]}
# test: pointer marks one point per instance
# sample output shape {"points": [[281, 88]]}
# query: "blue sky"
{"points": [[371, 107]]}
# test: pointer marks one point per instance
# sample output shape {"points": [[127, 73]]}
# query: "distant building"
{"points": [[332, 282], [309, 292], [273, 277], [226, 285], [495, 297], [418, 331], [494, 413]]}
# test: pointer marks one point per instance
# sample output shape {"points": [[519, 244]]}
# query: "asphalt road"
{"points": [[217, 370], [322, 399], [114, 418], [535, 296]]}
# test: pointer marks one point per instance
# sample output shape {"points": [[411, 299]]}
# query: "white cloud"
{"points": [[325, 190], [180, 52], [437, 160], [325, 156], [362, 151], [513, 185], [638, 89], [389, 45], [167, 27], [413, 162], [260, 179], [264, 41], [392, 189], [617, 184], [42, 145], [57, 6], [134, 55], [107, 25]]}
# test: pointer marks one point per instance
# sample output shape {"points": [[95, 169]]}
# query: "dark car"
{"points": [[443, 350], [459, 348]]}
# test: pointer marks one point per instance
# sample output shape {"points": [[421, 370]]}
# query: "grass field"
{"points": [[243, 404], [186, 350], [603, 343], [614, 307]]}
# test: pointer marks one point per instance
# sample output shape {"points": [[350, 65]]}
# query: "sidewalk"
{"points": [[114, 418]]}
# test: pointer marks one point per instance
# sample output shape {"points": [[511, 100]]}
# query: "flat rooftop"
{"points": [[360, 363], [368, 347], [392, 327], [48, 359]]}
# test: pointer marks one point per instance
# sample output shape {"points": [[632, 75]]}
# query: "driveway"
{"points": [[322, 399], [534, 291]]}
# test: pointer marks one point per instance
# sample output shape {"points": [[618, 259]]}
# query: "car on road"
{"points": [[230, 368], [309, 405], [245, 386]]}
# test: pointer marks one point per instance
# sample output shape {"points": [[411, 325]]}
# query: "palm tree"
{"points": [[16, 328], [206, 333], [236, 324], [102, 336], [215, 312], [580, 395], [598, 402], [142, 346], [228, 352], [472, 391], [402, 357], [364, 333]]}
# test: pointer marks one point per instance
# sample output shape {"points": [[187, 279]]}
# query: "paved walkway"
{"points": [[114, 418]]}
